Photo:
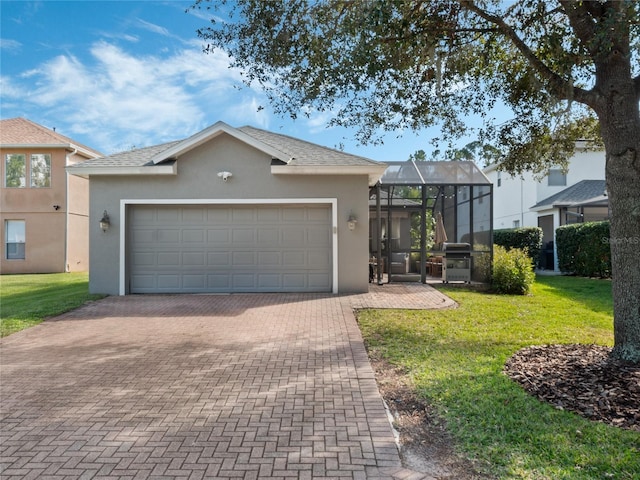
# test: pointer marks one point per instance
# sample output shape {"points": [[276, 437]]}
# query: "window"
{"points": [[15, 170], [557, 178], [499, 179], [516, 224], [40, 170], [15, 237]]}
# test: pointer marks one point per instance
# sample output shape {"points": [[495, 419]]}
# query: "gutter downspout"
{"points": [[66, 209]]}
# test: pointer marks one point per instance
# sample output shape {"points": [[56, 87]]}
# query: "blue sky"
{"points": [[121, 74]]}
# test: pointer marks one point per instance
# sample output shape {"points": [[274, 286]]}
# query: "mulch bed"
{"points": [[582, 379]]}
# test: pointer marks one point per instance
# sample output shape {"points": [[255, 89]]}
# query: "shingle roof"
{"points": [[578, 193], [300, 152], [306, 153], [139, 157], [23, 132]]}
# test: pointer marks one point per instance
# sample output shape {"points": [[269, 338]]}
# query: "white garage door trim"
{"points": [[240, 201]]}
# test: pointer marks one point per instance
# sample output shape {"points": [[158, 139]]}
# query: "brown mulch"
{"points": [[582, 379]]}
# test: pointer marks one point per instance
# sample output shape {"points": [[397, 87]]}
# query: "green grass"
{"points": [[455, 359], [26, 300]]}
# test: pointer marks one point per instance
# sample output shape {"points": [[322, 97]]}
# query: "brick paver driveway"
{"points": [[196, 386]]}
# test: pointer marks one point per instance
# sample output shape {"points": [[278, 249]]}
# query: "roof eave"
{"points": [[83, 171], [373, 172], [70, 147]]}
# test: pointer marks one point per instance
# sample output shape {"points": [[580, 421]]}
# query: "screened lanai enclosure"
{"points": [[431, 221]]}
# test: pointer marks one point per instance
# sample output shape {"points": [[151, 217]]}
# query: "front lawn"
{"points": [[26, 300], [455, 360]]}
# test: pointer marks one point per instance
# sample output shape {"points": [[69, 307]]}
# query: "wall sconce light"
{"points": [[105, 223], [225, 175], [352, 221]]}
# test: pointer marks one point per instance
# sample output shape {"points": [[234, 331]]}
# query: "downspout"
{"points": [[66, 210]]}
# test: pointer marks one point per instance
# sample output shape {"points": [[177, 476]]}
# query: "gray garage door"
{"points": [[222, 248]]}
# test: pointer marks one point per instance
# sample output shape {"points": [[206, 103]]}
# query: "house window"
{"points": [[15, 239], [499, 179], [516, 224], [40, 170], [557, 178], [15, 170]]}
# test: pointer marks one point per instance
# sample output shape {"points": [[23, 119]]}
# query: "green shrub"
{"points": [[583, 249], [512, 271], [524, 238]]}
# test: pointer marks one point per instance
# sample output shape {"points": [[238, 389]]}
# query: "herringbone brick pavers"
{"points": [[197, 386]]}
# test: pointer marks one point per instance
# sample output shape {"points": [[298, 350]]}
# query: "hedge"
{"points": [[583, 249], [524, 238]]}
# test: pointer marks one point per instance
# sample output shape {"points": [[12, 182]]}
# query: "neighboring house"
{"points": [[43, 210], [558, 198], [229, 210]]}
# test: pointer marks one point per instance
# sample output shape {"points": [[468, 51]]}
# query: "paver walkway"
{"points": [[274, 386]]}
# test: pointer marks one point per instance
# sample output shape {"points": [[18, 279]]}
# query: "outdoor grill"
{"points": [[456, 262]]}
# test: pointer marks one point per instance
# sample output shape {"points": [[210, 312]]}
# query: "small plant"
{"points": [[512, 271]]}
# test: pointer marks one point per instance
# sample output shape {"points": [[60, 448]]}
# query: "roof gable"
{"points": [[292, 156], [184, 146]]}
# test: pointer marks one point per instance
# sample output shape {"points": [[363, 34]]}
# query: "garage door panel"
{"points": [[268, 215], [167, 215], [294, 214], [168, 282], [193, 258], [222, 248], [218, 259], [218, 282], [165, 235], [218, 236], [144, 258], [243, 215], [319, 280], [194, 281], [168, 259], [243, 235], [268, 259], [193, 215], [193, 236]]}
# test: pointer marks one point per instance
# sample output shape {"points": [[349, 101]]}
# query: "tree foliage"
{"points": [[568, 69], [380, 65]]}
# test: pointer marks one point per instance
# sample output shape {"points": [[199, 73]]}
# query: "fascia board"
{"points": [[123, 171], [212, 132], [66, 146], [374, 172]]}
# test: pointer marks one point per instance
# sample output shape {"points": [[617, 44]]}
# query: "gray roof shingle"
{"points": [[306, 153], [139, 157], [580, 192], [301, 152]]}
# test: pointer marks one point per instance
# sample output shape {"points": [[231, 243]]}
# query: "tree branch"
{"points": [[559, 87]]}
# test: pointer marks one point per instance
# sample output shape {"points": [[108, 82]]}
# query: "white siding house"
{"points": [[556, 199]]}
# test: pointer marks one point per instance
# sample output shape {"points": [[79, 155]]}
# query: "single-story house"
{"points": [[229, 210]]}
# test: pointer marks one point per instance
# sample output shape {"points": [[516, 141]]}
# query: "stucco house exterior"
{"points": [[43, 210], [558, 198], [229, 210]]}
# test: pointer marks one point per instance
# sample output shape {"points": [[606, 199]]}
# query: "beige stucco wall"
{"points": [[48, 247], [197, 179]]}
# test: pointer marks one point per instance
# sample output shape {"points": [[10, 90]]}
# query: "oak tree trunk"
{"points": [[619, 117]]}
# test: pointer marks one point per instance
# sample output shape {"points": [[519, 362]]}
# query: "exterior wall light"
{"points": [[225, 175], [105, 223], [352, 221]]}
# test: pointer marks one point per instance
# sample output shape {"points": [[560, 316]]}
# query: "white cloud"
{"points": [[118, 99], [9, 45]]}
